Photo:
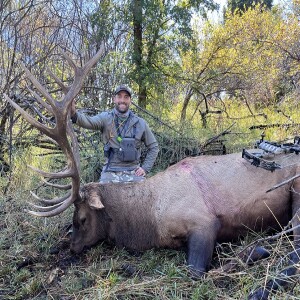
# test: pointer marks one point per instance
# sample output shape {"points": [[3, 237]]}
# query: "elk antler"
{"points": [[63, 133]]}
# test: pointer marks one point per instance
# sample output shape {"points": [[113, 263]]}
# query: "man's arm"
{"points": [[152, 149], [82, 120]]}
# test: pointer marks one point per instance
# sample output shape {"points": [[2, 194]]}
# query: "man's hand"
{"points": [[140, 172]]}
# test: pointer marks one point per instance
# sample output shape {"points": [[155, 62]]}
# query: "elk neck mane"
{"points": [[133, 224]]}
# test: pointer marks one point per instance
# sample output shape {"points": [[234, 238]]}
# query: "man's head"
{"points": [[122, 98]]}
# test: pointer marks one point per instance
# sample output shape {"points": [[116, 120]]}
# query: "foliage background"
{"points": [[194, 78]]}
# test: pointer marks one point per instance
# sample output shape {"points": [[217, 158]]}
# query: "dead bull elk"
{"points": [[195, 203]]}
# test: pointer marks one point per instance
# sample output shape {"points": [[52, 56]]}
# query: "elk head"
{"points": [[91, 223], [62, 133]]}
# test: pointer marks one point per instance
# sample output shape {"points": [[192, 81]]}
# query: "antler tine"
{"points": [[45, 208], [70, 147], [58, 186], [46, 130], [64, 88], [51, 211], [53, 175], [95, 59], [48, 201], [87, 67], [64, 135], [80, 74], [37, 84], [48, 138], [40, 100]]}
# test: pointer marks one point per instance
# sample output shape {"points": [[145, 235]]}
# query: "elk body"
{"points": [[195, 203]]}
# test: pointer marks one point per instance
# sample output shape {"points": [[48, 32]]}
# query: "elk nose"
{"points": [[76, 248]]}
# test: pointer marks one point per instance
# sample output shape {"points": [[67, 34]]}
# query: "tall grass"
{"points": [[35, 262]]}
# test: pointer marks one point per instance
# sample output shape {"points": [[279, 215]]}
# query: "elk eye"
{"points": [[83, 221]]}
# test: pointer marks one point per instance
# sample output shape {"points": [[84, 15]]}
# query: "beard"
{"points": [[122, 107]]}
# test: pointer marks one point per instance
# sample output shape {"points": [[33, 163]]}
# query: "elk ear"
{"points": [[94, 201], [90, 194]]}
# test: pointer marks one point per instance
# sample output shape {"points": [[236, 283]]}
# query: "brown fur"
{"points": [[196, 202], [132, 221]]}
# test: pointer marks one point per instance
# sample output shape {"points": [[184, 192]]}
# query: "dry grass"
{"points": [[35, 263]]}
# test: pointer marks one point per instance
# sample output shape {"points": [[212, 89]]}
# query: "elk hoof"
{"points": [[196, 274], [256, 254]]}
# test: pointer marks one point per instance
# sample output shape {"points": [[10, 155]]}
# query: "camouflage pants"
{"points": [[122, 176]]}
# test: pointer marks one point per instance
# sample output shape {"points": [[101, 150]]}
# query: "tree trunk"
{"points": [[138, 49], [4, 166], [185, 104]]}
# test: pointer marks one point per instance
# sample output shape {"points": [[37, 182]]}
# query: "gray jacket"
{"points": [[138, 126]]}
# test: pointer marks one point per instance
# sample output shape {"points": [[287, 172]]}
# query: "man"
{"points": [[123, 134]]}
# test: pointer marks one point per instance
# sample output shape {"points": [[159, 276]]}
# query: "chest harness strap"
{"points": [[119, 132]]}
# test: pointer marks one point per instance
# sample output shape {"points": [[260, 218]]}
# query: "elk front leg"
{"points": [[200, 249]]}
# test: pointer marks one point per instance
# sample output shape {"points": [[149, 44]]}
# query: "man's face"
{"points": [[122, 101]]}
